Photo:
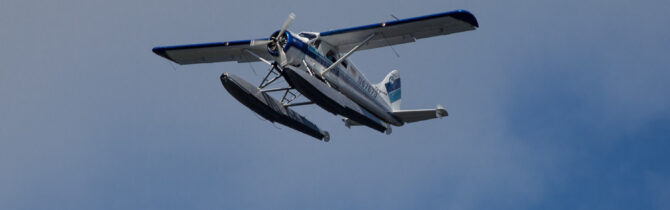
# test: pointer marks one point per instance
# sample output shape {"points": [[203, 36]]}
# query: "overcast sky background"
{"points": [[553, 105]]}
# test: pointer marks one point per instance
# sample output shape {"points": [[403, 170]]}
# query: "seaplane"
{"points": [[316, 65]]}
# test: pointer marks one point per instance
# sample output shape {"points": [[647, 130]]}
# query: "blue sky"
{"points": [[553, 105]]}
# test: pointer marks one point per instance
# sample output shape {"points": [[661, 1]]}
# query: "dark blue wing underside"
{"points": [[162, 51], [462, 15], [405, 30]]}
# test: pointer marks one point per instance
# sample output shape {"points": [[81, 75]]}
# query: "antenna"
{"points": [[390, 45], [387, 42], [253, 69]]}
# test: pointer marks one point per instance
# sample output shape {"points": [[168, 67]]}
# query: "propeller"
{"points": [[259, 42], [282, 54], [276, 40], [288, 21]]}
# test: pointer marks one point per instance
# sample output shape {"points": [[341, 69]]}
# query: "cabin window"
{"points": [[331, 56], [353, 72]]}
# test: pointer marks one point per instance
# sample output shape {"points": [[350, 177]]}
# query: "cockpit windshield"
{"points": [[308, 35]]}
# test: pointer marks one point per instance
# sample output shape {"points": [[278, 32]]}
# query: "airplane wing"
{"points": [[401, 31], [214, 52]]}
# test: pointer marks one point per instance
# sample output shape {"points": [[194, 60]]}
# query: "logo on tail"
{"points": [[393, 88], [392, 85]]}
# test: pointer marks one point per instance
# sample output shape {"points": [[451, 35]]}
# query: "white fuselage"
{"points": [[315, 56]]}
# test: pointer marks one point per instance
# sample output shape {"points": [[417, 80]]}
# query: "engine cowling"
{"points": [[283, 41]]}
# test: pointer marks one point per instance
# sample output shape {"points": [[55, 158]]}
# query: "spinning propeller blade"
{"points": [[288, 21], [259, 42], [276, 41], [282, 54]]}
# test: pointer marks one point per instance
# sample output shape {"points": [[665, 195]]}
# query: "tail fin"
{"points": [[391, 86]]}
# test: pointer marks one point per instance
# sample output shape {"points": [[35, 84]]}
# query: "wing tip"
{"points": [[466, 16], [162, 51], [159, 51]]}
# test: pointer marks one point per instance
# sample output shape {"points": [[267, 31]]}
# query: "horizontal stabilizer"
{"points": [[410, 116]]}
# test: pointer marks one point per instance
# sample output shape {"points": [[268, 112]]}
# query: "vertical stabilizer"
{"points": [[391, 86]]}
